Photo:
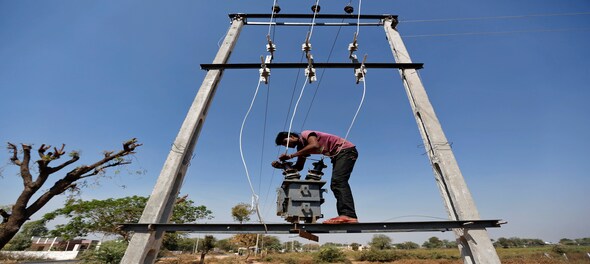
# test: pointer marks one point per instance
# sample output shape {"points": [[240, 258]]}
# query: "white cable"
{"points": [[317, 3], [293, 116], [254, 195], [358, 20], [355, 115], [360, 105], [271, 16]]}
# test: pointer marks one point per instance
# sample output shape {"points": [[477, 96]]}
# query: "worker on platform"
{"points": [[343, 155]]}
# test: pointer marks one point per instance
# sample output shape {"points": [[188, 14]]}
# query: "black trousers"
{"points": [[342, 165]]}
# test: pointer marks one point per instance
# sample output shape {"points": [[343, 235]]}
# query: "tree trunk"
{"points": [[202, 258], [9, 229], [20, 214]]}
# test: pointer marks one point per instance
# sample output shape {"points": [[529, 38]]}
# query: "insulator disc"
{"points": [[348, 9], [315, 8], [276, 9]]}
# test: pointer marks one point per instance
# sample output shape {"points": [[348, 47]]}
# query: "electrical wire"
{"points": [[264, 129], [315, 12], [364, 79], [254, 195], [293, 116], [358, 20], [495, 32], [360, 105], [310, 33], [493, 17], [321, 77], [271, 17], [293, 93], [263, 139], [362, 73], [328, 60]]}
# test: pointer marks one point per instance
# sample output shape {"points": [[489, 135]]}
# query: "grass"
{"points": [[537, 255]]}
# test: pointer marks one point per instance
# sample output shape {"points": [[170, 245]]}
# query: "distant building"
{"points": [[58, 244], [360, 247]]}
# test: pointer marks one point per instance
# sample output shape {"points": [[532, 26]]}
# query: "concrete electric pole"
{"points": [[475, 244]]}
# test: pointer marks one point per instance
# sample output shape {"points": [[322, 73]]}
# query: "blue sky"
{"points": [[509, 90]]}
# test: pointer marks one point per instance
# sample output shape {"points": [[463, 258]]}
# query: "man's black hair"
{"points": [[282, 135]]}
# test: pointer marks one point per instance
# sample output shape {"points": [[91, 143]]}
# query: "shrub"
{"points": [[331, 255], [109, 252], [558, 249], [7, 258]]}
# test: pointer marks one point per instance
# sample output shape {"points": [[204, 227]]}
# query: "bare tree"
{"points": [[23, 208]]}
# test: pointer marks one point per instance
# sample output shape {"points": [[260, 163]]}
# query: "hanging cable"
{"points": [[293, 116], [254, 195], [309, 71], [315, 12], [293, 93], [270, 46], [358, 20], [305, 55], [275, 9], [266, 195], [263, 139], [364, 80], [352, 47], [321, 77], [354, 117], [359, 73]]}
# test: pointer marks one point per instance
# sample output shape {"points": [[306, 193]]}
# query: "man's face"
{"points": [[292, 141]]}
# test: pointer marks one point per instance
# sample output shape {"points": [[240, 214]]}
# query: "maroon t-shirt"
{"points": [[329, 144]]}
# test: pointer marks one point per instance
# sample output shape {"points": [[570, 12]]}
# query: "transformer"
{"points": [[300, 200]]}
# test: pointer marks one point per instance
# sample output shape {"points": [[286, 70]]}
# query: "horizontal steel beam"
{"points": [[374, 227], [311, 16], [221, 66], [335, 24]]}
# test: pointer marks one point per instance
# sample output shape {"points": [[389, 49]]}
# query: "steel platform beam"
{"points": [[306, 24], [221, 66], [371, 227], [311, 16]]}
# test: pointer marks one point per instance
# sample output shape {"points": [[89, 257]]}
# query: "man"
{"points": [[343, 155]]}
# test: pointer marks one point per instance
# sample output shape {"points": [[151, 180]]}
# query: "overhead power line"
{"points": [[493, 17], [495, 32]]}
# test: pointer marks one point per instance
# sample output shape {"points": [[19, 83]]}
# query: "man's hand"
{"points": [[276, 164], [284, 157]]}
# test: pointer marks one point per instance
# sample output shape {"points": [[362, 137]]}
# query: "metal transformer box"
{"points": [[300, 200]]}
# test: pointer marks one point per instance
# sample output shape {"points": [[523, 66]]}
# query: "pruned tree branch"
{"points": [[58, 152], [131, 145], [63, 165], [101, 169], [42, 150], [25, 173], [14, 159], [22, 209], [83, 172]]}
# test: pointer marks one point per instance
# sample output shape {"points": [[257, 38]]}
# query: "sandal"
{"points": [[341, 220]]}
